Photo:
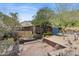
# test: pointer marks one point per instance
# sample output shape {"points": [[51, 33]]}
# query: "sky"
{"points": [[26, 11]]}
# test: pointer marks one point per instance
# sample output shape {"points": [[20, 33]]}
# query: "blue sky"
{"points": [[27, 10]]}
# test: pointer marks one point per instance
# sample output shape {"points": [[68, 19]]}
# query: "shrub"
{"points": [[1, 36], [47, 34], [7, 35], [37, 36]]}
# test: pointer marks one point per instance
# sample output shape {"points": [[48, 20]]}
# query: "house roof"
{"points": [[26, 23]]}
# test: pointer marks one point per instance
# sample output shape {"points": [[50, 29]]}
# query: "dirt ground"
{"points": [[35, 48]]}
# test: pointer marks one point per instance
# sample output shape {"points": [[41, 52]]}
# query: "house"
{"points": [[26, 29], [26, 26]]}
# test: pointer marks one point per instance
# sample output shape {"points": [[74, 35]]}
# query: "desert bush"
{"points": [[1, 36], [37, 36], [47, 34], [5, 44], [7, 35]]}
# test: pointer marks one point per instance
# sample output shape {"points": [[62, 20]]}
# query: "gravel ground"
{"points": [[35, 48]]}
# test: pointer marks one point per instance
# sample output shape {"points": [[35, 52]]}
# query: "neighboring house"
{"points": [[26, 26], [26, 29]]}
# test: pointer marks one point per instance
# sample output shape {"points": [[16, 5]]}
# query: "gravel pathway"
{"points": [[35, 48]]}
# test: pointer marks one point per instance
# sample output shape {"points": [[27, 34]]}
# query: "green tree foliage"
{"points": [[14, 17], [42, 19], [7, 22], [65, 17], [43, 16]]}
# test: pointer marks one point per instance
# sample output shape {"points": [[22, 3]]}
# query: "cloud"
{"points": [[25, 17], [25, 12]]}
